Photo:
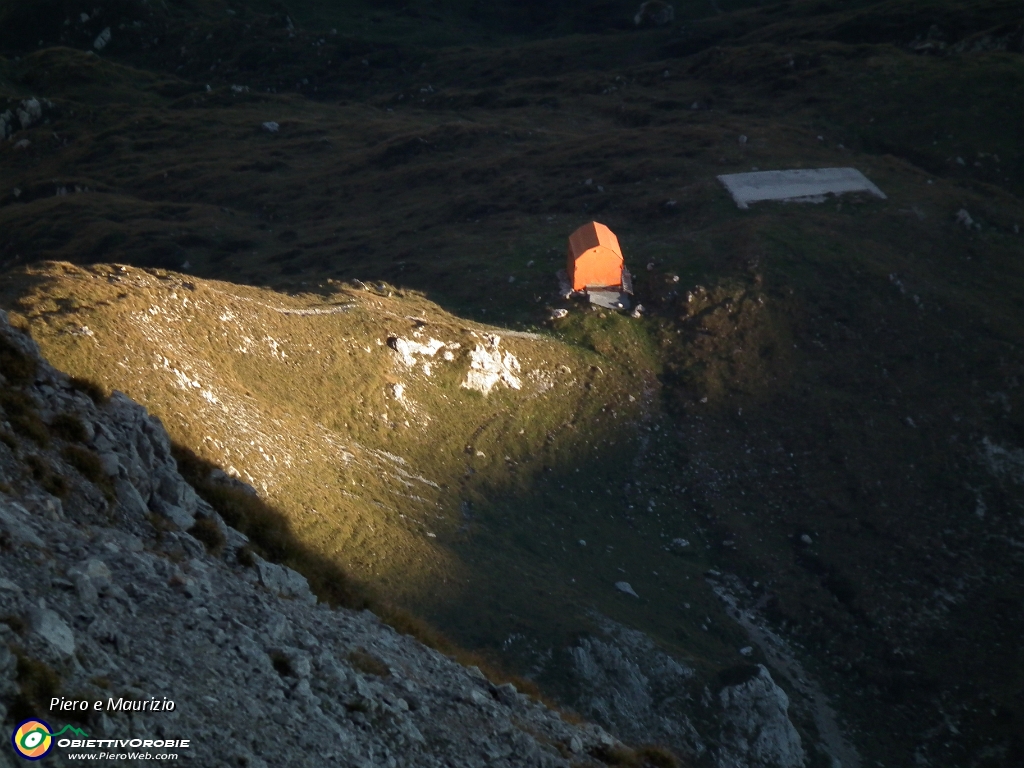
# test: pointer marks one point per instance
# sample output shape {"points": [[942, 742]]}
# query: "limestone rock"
{"points": [[14, 522], [654, 14], [629, 685], [756, 730], [52, 628], [623, 586], [283, 581]]}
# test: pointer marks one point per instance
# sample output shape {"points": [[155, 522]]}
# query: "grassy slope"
{"points": [[855, 356]]}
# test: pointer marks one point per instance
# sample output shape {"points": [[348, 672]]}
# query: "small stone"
{"points": [[284, 581], [507, 694], [102, 39], [110, 463], [97, 570], [806, 539], [271, 127], [14, 521], [86, 590], [52, 628], [623, 586], [479, 698], [747, 651], [654, 14]]}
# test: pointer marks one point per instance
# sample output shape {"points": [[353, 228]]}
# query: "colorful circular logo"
{"points": [[32, 739]]}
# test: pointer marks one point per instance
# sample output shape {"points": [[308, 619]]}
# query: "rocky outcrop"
{"points": [[108, 600], [637, 690], [21, 115], [642, 694], [756, 730]]}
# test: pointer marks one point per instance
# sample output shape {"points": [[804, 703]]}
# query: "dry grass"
{"points": [[207, 531], [37, 684], [88, 463], [270, 533], [16, 367], [45, 474], [21, 413], [366, 662], [68, 426], [648, 756]]}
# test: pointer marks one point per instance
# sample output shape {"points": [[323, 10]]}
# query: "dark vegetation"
{"points": [[68, 426], [46, 475], [206, 530], [91, 468], [849, 372], [37, 684], [16, 367], [644, 757], [21, 412], [366, 662], [90, 389]]}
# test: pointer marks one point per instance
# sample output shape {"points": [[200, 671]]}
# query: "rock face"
{"points": [[642, 694], [107, 589], [488, 366], [756, 730], [20, 115], [639, 692]]}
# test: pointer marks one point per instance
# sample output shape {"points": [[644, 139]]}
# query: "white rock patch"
{"points": [[488, 366], [407, 349], [102, 39]]}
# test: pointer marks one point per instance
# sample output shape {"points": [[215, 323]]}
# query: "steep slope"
{"points": [[117, 610], [374, 420]]}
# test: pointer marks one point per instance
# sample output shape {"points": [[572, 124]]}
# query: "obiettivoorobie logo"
{"points": [[33, 739]]}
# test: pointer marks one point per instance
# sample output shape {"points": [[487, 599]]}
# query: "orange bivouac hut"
{"points": [[595, 258]]}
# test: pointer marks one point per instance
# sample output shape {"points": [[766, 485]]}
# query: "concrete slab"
{"points": [[802, 185], [608, 299]]}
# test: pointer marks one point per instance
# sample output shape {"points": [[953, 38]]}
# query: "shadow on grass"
{"points": [[272, 537]]}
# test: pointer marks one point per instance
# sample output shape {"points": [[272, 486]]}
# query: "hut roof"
{"points": [[593, 235]]}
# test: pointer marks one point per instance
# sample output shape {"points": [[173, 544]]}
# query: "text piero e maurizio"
{"points": [[60, 704]]}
